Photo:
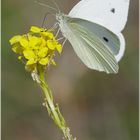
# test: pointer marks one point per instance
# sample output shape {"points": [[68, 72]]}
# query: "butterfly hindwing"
{"points": [[90, 48], [110, 39]]}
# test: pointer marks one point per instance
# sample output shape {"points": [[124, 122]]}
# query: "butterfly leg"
{"points": [[61, 38], [64, 42], [57, 33]]}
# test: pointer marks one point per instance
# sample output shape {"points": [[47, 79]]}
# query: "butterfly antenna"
{"points": [[56, 5], [43, 22], [45, 5], [44, 19]]}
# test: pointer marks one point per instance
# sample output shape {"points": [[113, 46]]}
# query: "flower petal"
{"points": [[19, 57], [29, 54], [47, 34], [43, 42], [16, 48], [35, 29], [34, 41], [31, 61], [43, 52], [44, 61], [24, 42], [15, 39], [59, 48], [50, 45]]}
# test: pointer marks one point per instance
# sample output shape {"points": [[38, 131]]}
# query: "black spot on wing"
{"points": [[105, 39], [113, 10]]}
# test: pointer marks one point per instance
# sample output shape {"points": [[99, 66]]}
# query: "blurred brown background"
{"points": [[96, 106]]}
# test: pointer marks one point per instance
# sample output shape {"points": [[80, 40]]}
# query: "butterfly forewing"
{"points": [[111, 14]]}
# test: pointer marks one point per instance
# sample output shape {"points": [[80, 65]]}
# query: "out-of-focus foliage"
{"points": [[95, 105]]}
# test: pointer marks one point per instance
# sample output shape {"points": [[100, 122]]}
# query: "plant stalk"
{"points": [[53, 110]]}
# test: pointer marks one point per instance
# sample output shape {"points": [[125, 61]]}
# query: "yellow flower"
{"points": [[24, 42], [44, 61], [43, 52], [15, 39], [59, 48], [31, 61], [19, 57], [42, 31], [51, 45], [35, 48], [17, 48], [47, 34], [43, 42], [35, 29], [33, 41], [28, 54]]}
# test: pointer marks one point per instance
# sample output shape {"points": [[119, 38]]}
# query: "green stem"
{"points": [[53, 109]]}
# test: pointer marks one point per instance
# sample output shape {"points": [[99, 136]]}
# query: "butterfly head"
{"points": [[60, 17]]}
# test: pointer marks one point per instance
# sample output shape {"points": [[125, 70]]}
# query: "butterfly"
{"points": [[93, 28]]}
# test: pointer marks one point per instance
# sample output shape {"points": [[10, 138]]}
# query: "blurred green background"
{"points": [[96, 106]]}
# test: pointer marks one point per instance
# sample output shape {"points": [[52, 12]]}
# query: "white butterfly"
{"points": [[93, 27]]}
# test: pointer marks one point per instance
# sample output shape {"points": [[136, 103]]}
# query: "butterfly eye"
{"points": [[105, 39]]}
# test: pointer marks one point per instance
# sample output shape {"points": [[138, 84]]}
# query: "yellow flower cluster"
{"points": [[36, 47]]}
